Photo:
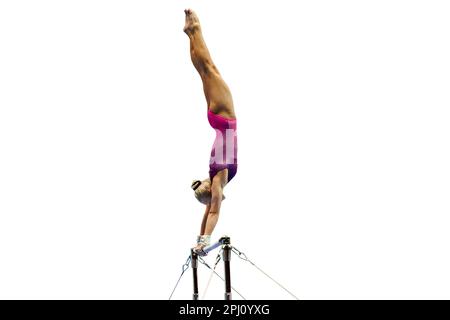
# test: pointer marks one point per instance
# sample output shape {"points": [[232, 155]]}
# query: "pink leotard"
{"points": [[224, 151]]}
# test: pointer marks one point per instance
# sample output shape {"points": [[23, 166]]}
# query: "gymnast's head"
{"points": [[202, 190]]}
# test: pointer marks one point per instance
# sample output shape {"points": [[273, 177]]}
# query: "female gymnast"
{"points": [[221, 116]]}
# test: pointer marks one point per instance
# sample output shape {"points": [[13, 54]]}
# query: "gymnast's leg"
{"points": [[217, 93]]}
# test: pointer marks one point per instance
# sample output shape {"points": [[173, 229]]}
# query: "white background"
{"points": [[343, 125]]}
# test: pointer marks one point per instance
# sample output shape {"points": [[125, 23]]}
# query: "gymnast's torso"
{"points": [[224, 150]]}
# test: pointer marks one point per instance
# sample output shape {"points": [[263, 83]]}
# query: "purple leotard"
{"points": [[224, 151]]}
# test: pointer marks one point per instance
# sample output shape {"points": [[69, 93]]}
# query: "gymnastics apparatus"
{"points": [[224, 253]]}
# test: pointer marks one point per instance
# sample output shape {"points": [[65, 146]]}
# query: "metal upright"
{"points": [[226, 260], [194, 264]]}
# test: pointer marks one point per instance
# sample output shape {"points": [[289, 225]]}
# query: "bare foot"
{"points": [[192, 23]]}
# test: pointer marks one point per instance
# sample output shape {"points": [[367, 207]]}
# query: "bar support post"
{"points": [[194, 265], [226, 260]]}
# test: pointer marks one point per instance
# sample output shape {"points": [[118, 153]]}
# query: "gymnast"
{"points": [[221, 117]]}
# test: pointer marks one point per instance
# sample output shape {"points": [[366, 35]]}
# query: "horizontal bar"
{"points": [[212, 247], [222, 241]]}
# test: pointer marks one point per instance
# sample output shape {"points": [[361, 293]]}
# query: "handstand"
{"points": [[221, 116]]}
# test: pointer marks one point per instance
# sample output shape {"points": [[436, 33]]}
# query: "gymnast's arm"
{"points": [[216, 198]]}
